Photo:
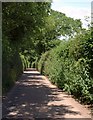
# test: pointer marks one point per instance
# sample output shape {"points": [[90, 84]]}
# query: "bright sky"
{"points": [[76, 9]]}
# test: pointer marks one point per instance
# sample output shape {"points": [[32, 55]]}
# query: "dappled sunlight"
{"points": [[13, 113], [12, 108], [35, 77], [36, 62], [23, 105], [37, 98], [32, 72]]}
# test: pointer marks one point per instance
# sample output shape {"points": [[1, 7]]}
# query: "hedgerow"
{"points": [[70, 65], [11, 65]]}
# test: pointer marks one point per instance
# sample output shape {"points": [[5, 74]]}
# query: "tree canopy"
{"points": [[29, 30]]}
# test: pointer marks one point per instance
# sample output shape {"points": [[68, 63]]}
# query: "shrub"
{"points": [[11, 65], [42, 62], [69, 67]]}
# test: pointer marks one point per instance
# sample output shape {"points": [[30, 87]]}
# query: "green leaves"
{"points": [[26, 15], [22, 27], [30, 29], [60, 24], [68, 66]]}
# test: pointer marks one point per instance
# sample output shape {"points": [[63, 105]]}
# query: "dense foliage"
{"points": [[22, 23], [31, 30], [70, 66]]}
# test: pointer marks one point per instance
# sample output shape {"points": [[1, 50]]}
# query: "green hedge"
{"points": [[41, 62], [12, 66], [69, 66], [25, 62]]}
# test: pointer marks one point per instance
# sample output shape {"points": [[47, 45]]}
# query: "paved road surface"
{"points": [[34, 96]]}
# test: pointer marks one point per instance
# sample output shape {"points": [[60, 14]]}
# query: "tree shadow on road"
{"points": [[30, 98]]}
